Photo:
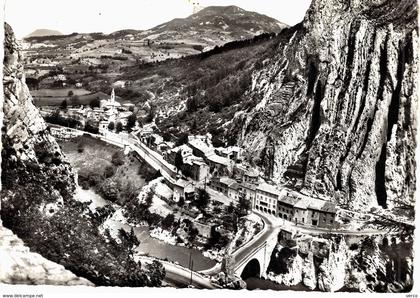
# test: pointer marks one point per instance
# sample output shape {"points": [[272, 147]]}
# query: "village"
{"points": [[222, 171]]}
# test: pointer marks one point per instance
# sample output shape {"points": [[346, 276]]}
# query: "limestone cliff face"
{"points": [[21, 266], [29, 151], [29, 156], [337, 109], [39, 207], [372, 264]]}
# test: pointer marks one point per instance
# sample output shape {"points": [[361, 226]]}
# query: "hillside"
{"points": [[195, 94], [329, 122], [336, 112], [175, 39], [38, 202], [215, 25], [44, 32]]}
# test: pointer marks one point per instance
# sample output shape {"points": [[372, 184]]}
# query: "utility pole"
{"points": [[190, 265]]}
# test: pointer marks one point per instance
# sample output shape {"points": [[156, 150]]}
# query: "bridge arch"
{"points": [[252, 269]]}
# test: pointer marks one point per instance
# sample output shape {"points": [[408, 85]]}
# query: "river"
{"points": [[149, 245]]}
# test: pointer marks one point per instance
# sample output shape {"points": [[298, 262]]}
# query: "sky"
{"points": [[108, 16]]}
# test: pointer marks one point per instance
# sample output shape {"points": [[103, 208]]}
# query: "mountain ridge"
{"points": [[44, 32], [227, 16]]}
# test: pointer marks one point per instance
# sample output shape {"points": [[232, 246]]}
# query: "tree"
{"points": [[166, 136], [244, 205], [179, 160], [111, 125], [192, 104], [63, 105], [80, 147], [156, 273], [182, 139], [149, 198], [109, 190], [193, 232], [109, 171], [119, 127], [215, 105], [117, 159], [129, 240], [194, 125], [181, 202], [168, 221], [151, 115], [230, 209], [131, 121], [90, 127], [230, 221], [203, 199], [96, 103]]}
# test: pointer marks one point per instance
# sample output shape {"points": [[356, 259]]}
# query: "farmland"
{"points": [[55, 97]]}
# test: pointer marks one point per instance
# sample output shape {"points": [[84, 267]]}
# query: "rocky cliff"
{"points": [[337, 104], [330, 264], [27, 145], [24, 140], [21, 266], [37, 196]]}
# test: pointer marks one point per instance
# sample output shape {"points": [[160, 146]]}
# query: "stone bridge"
{"points": [[254, 264], [253, 260]]}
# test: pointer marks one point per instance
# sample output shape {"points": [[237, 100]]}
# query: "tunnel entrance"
{"points": [[252, 269]]}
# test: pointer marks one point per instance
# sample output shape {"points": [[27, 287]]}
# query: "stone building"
{"points": [[266, 198]]}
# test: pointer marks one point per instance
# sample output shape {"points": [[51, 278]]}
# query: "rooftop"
{"points": [[252, 173], [228, 150], [268, 188], [292, 201], [249, 186], [235, 186], [183, 148], [199, 162], [227, 181], [329, 207], [308, 202], [201, 145], [303, 203], [218, 159]]}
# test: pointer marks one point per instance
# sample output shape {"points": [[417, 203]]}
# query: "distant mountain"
{"points": [[215, 25], [44, 32], [202, 31]]}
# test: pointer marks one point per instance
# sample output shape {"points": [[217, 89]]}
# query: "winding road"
{"points": [[179, 275]]}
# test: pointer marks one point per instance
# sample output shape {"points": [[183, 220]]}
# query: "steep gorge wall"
{"points": [[23, 130], [371, 264], [27, 145], [38, 202], [337, 114]]}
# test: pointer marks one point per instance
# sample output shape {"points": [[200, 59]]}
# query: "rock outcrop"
{"points": [[331, 264], [21, 266], [37, 196], [337, 104], [28, 148], [27, 145]]}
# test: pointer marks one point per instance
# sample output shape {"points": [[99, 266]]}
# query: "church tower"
{"points": [[112, 97]]}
